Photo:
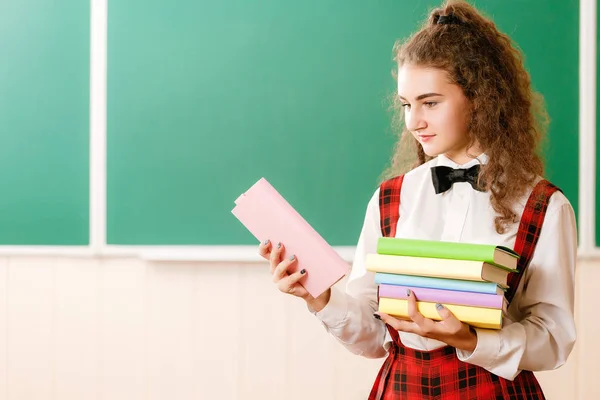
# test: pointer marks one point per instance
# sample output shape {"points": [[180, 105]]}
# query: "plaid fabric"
{"points": [[389, 205], [439, 374], [530, 227]]}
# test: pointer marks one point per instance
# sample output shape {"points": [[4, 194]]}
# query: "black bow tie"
{"points": [[444, 177]]}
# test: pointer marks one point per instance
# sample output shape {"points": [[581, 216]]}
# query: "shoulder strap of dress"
{"points": [[530, 227], [389, 205]]}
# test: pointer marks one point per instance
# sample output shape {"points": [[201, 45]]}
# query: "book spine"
{"points": [[425, 266], [443, 296], [436, 283], [487, 318], [449, 250]]}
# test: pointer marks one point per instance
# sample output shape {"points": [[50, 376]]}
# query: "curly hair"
{"points": [[508, 120]]}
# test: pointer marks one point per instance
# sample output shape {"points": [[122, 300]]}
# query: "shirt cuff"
{"points": [[486, 351], [336, 310]]}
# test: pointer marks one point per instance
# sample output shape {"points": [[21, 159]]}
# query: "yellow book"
{"points": [[438, 268], [479, 317]]}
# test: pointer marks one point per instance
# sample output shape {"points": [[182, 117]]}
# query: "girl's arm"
{"points": [[543, 334]]}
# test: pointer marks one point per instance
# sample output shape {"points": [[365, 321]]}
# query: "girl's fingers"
{"points": [[397, 324], [290, 284], [413, 311], [264, 249], [275, 256], [287, 283], [280, 271], [295, 277]]}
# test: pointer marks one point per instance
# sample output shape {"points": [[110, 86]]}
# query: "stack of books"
{"points": [[469, 279]]}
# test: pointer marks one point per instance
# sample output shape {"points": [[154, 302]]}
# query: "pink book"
{"points": [[267, 215], [444, 296]]}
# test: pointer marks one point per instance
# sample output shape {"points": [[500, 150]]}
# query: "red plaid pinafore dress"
{"points": [[439, 374]]}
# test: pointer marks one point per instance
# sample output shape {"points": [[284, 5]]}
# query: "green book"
{"points": [[499, 256]]}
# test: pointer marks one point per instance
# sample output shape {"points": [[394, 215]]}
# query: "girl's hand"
{"points": [[286, 282], [449, 330]]}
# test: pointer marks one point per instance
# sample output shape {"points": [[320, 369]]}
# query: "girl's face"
{"points": [[436, 112]]}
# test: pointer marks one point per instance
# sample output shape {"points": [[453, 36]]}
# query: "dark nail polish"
{"points": [[439, 306], [303, 271], [377, 316], [408, 292], [279, 245], [293, 257], [266, 242]]}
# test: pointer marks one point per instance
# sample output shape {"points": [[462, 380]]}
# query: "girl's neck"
{"points": [[464, 155]]}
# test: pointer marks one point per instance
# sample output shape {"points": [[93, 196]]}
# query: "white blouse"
{"points": [[539, 331]]}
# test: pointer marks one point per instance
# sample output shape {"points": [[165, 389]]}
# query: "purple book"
{"points": [[444, 296]]}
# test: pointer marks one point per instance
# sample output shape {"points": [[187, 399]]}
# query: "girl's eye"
{"points": [[430, 103], [405, 105]]}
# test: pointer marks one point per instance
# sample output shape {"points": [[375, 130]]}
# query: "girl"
{"points": [[469, 109]]}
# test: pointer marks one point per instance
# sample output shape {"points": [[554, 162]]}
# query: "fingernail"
{"points": [[439, 306], [293, 257], [279, 245], [377, 316], [266, 242], [303, 271], [408, 292]]}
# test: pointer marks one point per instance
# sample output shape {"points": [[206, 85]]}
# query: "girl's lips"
{"points": [[425, 138]]}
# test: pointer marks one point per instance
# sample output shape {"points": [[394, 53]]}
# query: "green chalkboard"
{"points": [[206, 97], [44, 122]]}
